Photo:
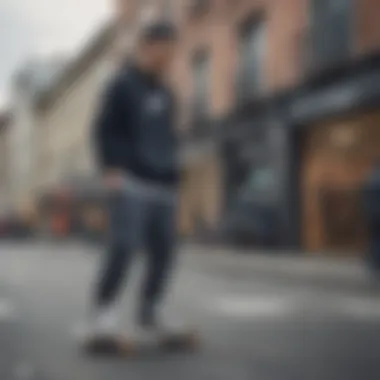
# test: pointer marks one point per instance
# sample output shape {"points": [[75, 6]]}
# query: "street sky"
{"points": [[34, 28]]}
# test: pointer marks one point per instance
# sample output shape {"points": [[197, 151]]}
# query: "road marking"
{"points": [[253, 307]]}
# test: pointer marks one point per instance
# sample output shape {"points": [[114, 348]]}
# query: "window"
{"points": [[148, 11], [330, 31], [201, 82], [198, 7], [260, 182], [168, 9], [252, 59]]}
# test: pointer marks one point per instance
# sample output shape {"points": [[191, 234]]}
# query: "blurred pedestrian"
{"points": [[372, 211], [137, 149]]}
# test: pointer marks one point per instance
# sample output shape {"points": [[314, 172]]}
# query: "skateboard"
{"points": [[186, 341]]}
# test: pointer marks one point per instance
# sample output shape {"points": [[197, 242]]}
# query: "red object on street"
{"points": [[60, 225]]}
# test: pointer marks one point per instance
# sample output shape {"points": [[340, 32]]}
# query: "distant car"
{"points": [[252, 219]]}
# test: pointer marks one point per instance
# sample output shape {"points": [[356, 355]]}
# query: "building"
{"points": [[28, 83], [289, 88], [332, 126], [298, 83], [66, 109], [229, 55]]}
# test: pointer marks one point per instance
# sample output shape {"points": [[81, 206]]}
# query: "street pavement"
{"points": [[256, 323]]}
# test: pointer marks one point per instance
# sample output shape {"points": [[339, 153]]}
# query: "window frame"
{"points": [[201, 55], [254, 23], [351, 32]]}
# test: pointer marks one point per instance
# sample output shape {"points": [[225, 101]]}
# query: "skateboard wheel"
{"points": [[109, 346], [187, 341], [126, 347]]}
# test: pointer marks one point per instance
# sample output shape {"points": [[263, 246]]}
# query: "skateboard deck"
{"points": [[187, 341]]}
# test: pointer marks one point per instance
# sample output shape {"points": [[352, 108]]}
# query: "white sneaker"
{"points": [[104, 321]]}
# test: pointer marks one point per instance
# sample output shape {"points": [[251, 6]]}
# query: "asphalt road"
{"points": [[253, 327]]}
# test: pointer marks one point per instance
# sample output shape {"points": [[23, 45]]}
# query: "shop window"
{"points": [[260, 182], [252, 46], [330, 32]]}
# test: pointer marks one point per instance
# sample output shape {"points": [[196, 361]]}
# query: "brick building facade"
{"points": [[214, 29], [309, 47], [267, 79]]}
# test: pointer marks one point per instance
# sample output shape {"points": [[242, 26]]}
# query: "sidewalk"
{"points": [[280, 265], [291, 266]]}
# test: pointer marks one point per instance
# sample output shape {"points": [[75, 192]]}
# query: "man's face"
{"points": [[159, 54]]}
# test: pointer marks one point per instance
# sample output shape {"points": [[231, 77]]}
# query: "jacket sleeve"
{"points": [[107, 125]]}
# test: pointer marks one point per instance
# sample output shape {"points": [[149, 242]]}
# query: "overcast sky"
{"points": [[43, 27]]}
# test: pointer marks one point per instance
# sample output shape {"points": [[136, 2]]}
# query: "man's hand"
{"points": [[113, 179]]}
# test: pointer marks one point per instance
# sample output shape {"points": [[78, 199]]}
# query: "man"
{"points": [[137, 149]]}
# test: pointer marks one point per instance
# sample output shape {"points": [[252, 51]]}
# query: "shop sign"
{"points": [[335, 99], [324, 103]]}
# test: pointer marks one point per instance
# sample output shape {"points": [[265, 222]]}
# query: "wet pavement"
{"points": [[254, 325]]}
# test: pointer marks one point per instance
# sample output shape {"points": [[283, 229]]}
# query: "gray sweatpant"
{"points": [[141, 216]]}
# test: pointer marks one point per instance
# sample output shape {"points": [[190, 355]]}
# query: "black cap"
{"points": [[159, 32]]}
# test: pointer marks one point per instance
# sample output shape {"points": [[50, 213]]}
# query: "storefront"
{"points": [[319, 141], [334, 129], [251, 214]]}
